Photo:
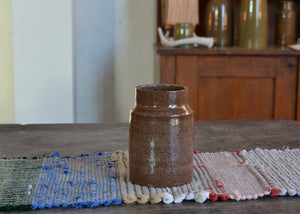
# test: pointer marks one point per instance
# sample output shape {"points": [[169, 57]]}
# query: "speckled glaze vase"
{"points": [[285, 24], [253, 25], [218, 22], [161, 137]]}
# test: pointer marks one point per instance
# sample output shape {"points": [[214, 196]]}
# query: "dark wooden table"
{"points": [[74, 139]]}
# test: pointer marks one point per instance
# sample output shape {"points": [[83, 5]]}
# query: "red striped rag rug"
{"points": [[239, 175]]}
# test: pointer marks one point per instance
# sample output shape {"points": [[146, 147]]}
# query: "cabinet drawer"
{"points": [[237, 66], [232, 98]]}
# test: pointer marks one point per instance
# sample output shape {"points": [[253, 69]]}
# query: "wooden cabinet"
{"points": [[235, 83]]}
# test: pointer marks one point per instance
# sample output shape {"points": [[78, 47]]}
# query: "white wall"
{"points": [[43, 61], [94, 60], [134, 54], [113, 54], [80, 60]]}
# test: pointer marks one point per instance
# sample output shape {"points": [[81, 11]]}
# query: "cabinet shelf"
{"points": [[273, 6], [271, 51]]}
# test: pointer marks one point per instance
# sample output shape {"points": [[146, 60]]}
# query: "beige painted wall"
{"points": [[135, 22], [43, 61], [132, 62], [6, 64]]}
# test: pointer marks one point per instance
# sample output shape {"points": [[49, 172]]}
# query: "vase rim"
{"points": [[286, 5], [184, 24], [158, 88]]}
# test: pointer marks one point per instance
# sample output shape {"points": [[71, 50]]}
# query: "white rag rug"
{"points": [[238, 175]]}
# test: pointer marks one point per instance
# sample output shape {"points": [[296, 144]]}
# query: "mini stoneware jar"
{"points": [[161, 137], [182, 31]]}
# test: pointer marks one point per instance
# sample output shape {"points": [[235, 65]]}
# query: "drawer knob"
{"points": [[291, 64]]}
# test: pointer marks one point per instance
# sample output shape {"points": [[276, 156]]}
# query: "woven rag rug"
{"points": [[102, 179]]}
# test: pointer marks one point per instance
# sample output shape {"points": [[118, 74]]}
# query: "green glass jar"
{"points": [[218, 22], [253, 25], [182, 31], [286, 24]]}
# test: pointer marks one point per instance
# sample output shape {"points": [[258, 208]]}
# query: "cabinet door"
{"points": [[236, 87], [246, 87]]}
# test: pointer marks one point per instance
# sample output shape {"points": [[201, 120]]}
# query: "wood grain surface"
{"points": [[235, 98], [187, 75], [285, 88], [230, 87], [74, 139], [168, 64]]}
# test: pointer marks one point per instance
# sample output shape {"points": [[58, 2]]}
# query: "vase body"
{"points": [[218, 22], [253, 25], [182, 31], [286, 24], [161, 137]]}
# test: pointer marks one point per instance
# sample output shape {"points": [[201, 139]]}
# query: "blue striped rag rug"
{"points": [[54, 181]]}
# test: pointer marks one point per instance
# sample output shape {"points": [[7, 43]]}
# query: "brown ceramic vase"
{"points": [[161, 137], [218, 22], [286, 24]]}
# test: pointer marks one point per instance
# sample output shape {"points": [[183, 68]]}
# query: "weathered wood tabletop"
{"points": [[74, 139]]}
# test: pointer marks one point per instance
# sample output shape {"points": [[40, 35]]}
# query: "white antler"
{"points": [[206, 41]]}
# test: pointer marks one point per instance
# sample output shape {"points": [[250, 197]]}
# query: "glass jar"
{"points": [[253, 25], [218, 22], [182, 31], [286, 24]]}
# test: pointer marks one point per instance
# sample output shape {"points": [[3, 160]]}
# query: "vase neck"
{"points": [[161, 95], [286, 5]]}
